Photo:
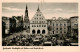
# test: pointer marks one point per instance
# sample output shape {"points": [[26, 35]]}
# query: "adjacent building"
{"points": [[12, 24], [57, 26], [6, 22], [16, 23], [74, 25], [19, 23]]}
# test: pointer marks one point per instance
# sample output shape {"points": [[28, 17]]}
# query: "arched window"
{"points": [[43, 31], [38, 31], [33, 31]]}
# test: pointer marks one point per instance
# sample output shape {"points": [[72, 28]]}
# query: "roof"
{"points": [[74, 17]]}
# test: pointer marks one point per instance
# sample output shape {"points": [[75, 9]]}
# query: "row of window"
{"points": [[60, 24], [59, 32], [38, 21], [59, 28], [38, 14], [38, 31], [38, 18], [38, 25]]}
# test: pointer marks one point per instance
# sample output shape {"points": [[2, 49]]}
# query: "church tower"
{"points": [[26, 20]]}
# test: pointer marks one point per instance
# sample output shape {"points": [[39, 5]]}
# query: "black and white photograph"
{"points": [[40, 24]]}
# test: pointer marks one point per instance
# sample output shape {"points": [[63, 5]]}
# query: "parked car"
{"points": [[47, 43], [36, 42]]}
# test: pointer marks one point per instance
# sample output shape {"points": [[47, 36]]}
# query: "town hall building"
{"points": [[38, 24]]}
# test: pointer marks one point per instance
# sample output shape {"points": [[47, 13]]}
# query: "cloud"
{"points": [[58, 9], [53, 10], [48, 13], [17, 12], [12, 9]]}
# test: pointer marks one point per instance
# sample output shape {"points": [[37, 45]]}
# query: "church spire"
{"points": [[26, 11], [26, 6], [38, 8]]}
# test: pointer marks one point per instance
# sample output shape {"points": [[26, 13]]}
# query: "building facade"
{"points": [[12, 24], [6, 24], [57, 26], [16, 24], [19, 23], [38, 24], [74, 25]]}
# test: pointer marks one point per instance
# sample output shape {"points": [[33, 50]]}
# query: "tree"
{"points": [[49, 28]]}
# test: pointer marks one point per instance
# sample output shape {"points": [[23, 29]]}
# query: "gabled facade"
{"points": [[38, 24]]}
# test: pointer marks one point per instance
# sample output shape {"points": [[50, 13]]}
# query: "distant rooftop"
{"points": [[74, 17]]}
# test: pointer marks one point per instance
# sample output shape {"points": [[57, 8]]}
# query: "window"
{"points": [[44, 25], [64, 31], [37, 21], [56, 28], [32, 25], [56, 31], [53, 32], [60, 31], [37, 14], [64, 24], [33, 21], [40, 15], [64, 28], [60, 28], [60, 24], [43, 31], [33, 31], [75, 24], [38, 31], [53, 24], [56, 24], [44, 21], [39, 25]]}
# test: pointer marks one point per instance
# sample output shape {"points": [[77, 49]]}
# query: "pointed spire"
{"points": [[26, 6], [38, 8]]}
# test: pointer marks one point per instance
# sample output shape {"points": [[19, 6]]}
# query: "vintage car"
{"points": [[47, 43]]}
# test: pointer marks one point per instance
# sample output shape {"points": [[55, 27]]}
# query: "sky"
{"points": [[49, 10]]}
